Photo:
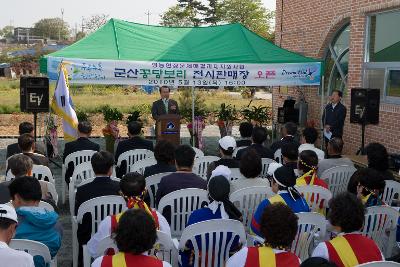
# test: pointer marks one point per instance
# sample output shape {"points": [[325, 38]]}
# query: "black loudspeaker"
{"points": [[364, 106], [288, 113], [34, 94]]}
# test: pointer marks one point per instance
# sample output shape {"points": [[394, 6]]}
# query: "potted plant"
{"points": [[227, 114], [258, 116], [111, 131]]}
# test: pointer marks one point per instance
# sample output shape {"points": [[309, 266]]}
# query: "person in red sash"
{"points": [[307, 167], [133, 190], [349, 248], [135, 235], [279, 227]]}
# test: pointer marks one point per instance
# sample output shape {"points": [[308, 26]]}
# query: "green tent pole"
{"points": [[193, 138]]}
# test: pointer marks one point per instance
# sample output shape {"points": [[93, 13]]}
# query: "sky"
{"points": [[24, 13]]}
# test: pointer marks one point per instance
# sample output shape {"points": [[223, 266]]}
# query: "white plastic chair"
{"points": [[75, 158], [317, 197], [278, 156], [46, 206], [391, 189], [380, 225], [104, 245], [199, 153], [34, 248], [99, 208], [132, 156], [247, 201], [236, 174], [152, 183], [338, 178], [201, 164], [237, 149], [265, 164], [182, 203], [311, 230], [140, 165], [380, 264], [212, 233], [52, 190]]}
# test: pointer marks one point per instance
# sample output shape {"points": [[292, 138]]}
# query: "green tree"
{"points": [[53, 28], [194, 9], [79, 35], [94, 22], [7, 31], [176, 16], [250, 13], [213, 14]]}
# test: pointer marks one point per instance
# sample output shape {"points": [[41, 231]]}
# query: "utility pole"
{"points": [[62, 22], [148, 17]]}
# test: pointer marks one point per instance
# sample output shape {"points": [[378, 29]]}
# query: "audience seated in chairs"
{"points": [[102, 163], [308, 139], [227, 145], [220, 207], [317, 262], [278, 226], [282, 182], [307, 168], [133, 190], [258, 137], [245, 129], [82, 143], [250, 168], [164, 154], [135, 141], [288, 131], [334, 158], [349, 248], [8, 226], [135, 235], [24, 128], [370, 187], [290, 155], [378, 159], [34, 222]]}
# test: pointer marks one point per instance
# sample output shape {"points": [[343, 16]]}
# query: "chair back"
{"points": [[391, 192], [99, 208], [236, 174], [265, 164], [201, 164], [79, 157], [51, 189], [317, 197], [237, 149], [212, 240], [46, 206], [152, 183], [199, 153], [247, 201], [182, 203], [164, 249], [278, 156], [379, 222], [140, 165], [105, 245], [379, 264], [311, 229], [33, 248], [42, 173], [132, 156], [338, 178]]}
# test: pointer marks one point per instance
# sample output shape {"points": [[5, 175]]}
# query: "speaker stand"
{"points": [[34, 125], [361, 150]]}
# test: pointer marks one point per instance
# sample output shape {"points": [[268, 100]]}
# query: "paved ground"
{"points": [[211, 134]]}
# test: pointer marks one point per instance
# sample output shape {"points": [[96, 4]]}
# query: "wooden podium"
{"points": [[169, 128]]}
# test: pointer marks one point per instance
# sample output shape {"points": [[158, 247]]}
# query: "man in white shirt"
{"points": [[10, 257], [308, 139]]}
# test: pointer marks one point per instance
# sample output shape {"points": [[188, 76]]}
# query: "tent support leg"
{"points": [[193, 130]]}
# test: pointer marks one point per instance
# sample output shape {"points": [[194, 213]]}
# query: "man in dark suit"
{"points": [[24, 127], [164, 105], [288, 131], [82, 143], [334, 116], [164, 154], [102, 185], [258, 137], [27, 145], [135, 141]]}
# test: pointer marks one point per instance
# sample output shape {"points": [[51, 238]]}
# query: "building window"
{"points": [[382, 56], [337, 62]]}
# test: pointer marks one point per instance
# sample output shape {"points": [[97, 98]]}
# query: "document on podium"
{"points": [[328, 134]]}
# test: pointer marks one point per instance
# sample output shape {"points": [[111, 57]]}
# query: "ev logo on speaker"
{"points": [[35, 98]]}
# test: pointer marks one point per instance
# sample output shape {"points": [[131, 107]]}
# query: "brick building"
{"points": [[359, 41]]}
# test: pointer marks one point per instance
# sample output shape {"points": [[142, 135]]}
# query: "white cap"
{"points": [[222, 170], [7, 211], [273, 167], [226, 142]]}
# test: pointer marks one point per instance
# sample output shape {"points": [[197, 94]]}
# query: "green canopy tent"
{"points": [[122, 52]]}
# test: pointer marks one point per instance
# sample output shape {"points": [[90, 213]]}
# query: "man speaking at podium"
{"points": [[164, 105]]}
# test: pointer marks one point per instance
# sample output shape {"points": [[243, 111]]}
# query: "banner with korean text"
{"points": [[92, 71]]}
